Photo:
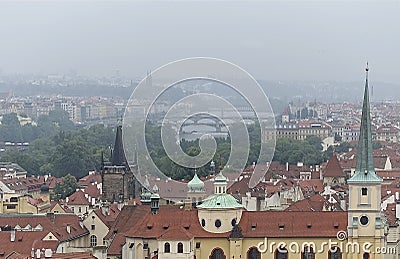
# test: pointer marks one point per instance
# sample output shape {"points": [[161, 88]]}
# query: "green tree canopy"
{"points": [[64, 189]]}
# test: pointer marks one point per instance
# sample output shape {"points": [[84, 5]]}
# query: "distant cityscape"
{"points": [[118, 211]]}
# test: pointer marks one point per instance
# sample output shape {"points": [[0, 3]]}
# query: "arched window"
{"points": [[308, 253], [93, 241], [167, 248], [281, 253], [253, 253], [180, 248], [366, 256], [334, 253], [217, 253]]}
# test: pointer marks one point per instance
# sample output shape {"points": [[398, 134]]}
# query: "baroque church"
{"points": [[218, 227]]}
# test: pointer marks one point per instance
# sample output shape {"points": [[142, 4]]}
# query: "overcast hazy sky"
{"points": [[294, 40]]}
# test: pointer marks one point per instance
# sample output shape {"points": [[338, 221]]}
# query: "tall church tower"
{"points": [[364, 218], [118, 181]]}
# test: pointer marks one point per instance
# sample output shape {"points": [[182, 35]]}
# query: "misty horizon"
{"points": [[277, 41]]}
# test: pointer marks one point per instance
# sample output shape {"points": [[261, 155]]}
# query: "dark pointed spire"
{"points": [[102, 160], [118, 154], [135, 157], [365, 170]]}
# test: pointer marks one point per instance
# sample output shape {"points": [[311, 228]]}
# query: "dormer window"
{"points": [[281, 226]]}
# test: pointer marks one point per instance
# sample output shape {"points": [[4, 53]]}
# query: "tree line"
{"points": [[59, 148]]}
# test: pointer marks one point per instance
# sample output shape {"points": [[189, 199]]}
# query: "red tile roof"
{"points": [[108, 219], [333, 168], [310, 186], [292, 224], [175, 233], [75, 255], [315, 202], [64, 209], [388, 175], [51, 181], [92, 191], [129, 218], [90, 179], [26, 240], [253, 224], [390, 214], [77, 198]]}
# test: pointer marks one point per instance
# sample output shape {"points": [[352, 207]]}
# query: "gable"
{"points": [[50, 237]]}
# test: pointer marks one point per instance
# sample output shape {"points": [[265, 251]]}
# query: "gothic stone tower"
{"points": [[118, 180], [364, 218]]}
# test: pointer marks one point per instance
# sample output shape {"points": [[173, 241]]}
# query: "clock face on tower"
{"points": [[364, 220]]}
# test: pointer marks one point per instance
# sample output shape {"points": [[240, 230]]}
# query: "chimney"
{"points": [[48, 253], [397, 196], [398, 209], [12, 235], [120, 205], [68, 229], [105, 209], [51, 216], [287, 166], [188, 204]]}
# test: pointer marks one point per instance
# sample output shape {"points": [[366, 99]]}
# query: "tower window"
{"points": [[203, 223], [364, 220], [233, 222], [218, 223], [364, 191]]}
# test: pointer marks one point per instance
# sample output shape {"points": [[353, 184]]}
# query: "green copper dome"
{"points": [[195, 185], [220, 201]]}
